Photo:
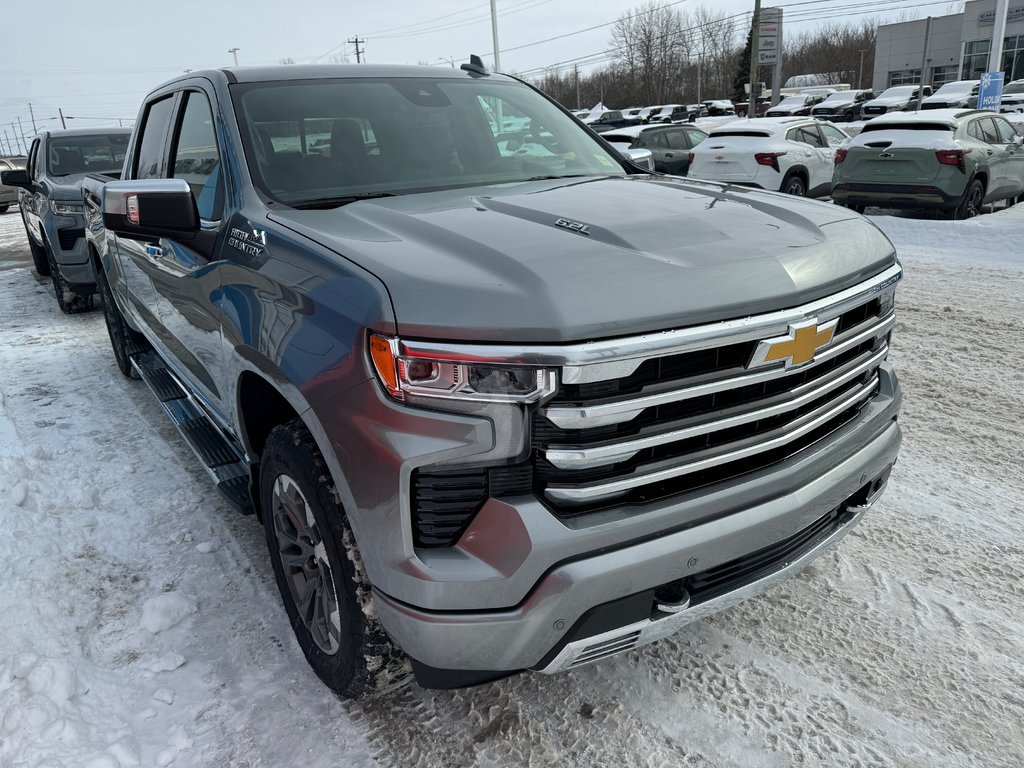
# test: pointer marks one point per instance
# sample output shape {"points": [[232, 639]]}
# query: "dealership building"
{"points": [[958, 47]]}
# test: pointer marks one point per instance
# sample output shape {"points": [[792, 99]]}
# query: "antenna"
{"points": [[475, 66]]}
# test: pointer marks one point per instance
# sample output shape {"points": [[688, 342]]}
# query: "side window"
{"points": [[149, 151], [677, 140], [658, 140], [988, 130], [1004, 130], [32, 154], [806, 135], [696, 137], [974, 130], [833, 135], [196, 159]]}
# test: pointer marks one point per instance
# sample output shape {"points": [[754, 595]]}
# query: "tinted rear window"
{"points": [[754, 134], [875, 126]]}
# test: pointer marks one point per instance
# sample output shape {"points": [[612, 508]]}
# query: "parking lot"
{"points": [[143, 627]]}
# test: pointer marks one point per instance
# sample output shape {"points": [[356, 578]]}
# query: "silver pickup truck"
{"points": [[502, 400]]}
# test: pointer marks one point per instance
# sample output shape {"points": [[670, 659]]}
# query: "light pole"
{"points": [[234, 52], [860, 72], [494, 34]]}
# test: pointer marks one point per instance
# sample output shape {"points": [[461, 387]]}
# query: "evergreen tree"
{"points": [[743, 69]]}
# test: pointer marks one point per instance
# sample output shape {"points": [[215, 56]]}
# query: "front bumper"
{"points": [[542, 630], [902, 196], [65, 235]]}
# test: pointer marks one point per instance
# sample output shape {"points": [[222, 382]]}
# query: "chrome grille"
{"points": [[669, 424]]}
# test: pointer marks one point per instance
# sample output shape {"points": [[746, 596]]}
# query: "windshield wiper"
{"points": [[319, 203]]}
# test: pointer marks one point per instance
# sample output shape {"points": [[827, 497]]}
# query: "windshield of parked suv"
{"points": [[793, 101], [102, 153], [322, 143], [958, 87], [899, 92], [839, 97], [1014, 88]]}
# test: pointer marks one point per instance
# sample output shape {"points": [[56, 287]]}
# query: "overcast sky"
{"points": [[98, 58]]}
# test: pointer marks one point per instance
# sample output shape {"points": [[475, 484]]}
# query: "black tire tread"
{"points": [[375, 666]]}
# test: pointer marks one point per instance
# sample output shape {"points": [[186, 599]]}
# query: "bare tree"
{"points": [[647, 48]]}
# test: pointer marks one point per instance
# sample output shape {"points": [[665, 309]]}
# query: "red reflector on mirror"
{"points": [[132, 208]]}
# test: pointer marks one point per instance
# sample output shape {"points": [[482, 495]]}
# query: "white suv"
{"points": [[1013, 97], [789, 154]]}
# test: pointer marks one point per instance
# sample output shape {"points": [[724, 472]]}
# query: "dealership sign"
{"points": [[991, 90], [769, 35], [1013, 14]]}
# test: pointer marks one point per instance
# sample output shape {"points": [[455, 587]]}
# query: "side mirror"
{"points": [[150, 208], [16, 178], [1018, 140], [643, 158]]}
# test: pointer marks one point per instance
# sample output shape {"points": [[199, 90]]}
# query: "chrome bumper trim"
{"points": [[616, 641]]}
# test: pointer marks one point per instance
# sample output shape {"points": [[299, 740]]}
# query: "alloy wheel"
{"points": [[304, 561]]}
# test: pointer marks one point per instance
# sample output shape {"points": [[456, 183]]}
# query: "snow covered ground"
{"points": [[140, 626]]}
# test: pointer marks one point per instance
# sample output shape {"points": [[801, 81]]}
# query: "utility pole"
{"points": [[63, 124], [924, 63], [7, 148], [860, 72], [356, 41], [33, 114], [995, 57], [754, 35], [234, 52], [577, 70], [494, 34], [22, 131]]}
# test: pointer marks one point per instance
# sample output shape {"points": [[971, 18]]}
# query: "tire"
{"points": [[971, 203], [124, 341], [793, 184], [39, 258], [4, 208], [309, 537], [70, 303]]}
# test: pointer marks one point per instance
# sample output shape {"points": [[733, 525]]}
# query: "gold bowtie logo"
{"points": [[796, 347]]}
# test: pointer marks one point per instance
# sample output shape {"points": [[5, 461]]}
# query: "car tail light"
{"points": [[689, 157], [771, 159], [840, 155], [952, 157]]}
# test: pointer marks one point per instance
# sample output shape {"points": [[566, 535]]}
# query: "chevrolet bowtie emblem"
{"points": [[796, 347]]}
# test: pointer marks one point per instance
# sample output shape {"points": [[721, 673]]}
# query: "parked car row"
{"points": [[947, 160], [606, 120]]}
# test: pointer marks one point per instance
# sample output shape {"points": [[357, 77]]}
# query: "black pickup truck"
{"points": [[497, 410]]}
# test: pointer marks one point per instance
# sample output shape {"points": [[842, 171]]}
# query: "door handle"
{"points": [[990, 151], [669, 154]]}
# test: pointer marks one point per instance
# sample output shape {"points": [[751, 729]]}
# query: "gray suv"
{"points": [[496, 410], [51, 205]]}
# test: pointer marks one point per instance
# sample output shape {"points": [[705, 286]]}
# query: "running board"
{"points": [[221, 458]]}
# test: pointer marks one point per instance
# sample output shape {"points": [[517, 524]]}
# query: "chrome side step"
{"points": [[220, 457]]}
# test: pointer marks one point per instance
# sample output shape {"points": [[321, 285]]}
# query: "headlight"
{"points": [[66, 208], [470, 381]]}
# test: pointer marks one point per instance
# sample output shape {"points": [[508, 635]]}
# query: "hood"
{"points": [[492, 263], [66, 187]]}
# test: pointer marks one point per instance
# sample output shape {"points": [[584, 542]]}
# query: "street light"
{"points": [[860, 73], [234, 52]]}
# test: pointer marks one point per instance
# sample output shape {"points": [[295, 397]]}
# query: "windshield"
{"points": [[337, 140], [1014, 88], [793, 101], [905, 126], [840, 97], [958, 87], [101, 153], [899, 92]]}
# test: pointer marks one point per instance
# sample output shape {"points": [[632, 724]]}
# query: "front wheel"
{"points": [[70, 303], [124, 341], [4, 208], [794, 185], [319, 571], [972, 201]]}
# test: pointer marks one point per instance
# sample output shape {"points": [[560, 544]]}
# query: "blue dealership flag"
{"points": [[991, 90]]}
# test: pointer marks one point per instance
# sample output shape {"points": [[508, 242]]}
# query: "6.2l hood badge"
{"points": [[573, 226]]}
